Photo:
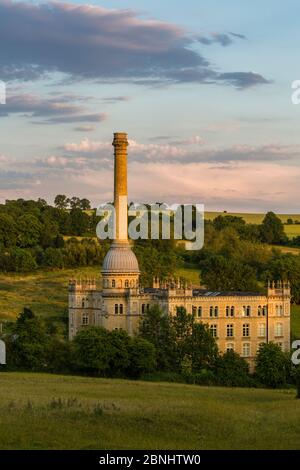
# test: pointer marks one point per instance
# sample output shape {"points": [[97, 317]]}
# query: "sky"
{"points": [[202, 87]]}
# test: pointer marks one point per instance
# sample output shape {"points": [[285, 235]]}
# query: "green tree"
{"points": [[61, 201], [92, 351], [155, 327], [270, 367], [142, 357], [272, 230], [29, 230], [8, 231], [85, 204], [22, 260], [28, 342], [54, 257], [232, 370]]}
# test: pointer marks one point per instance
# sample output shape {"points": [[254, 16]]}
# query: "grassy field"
{"points": [[291, 230], [40, 411]]}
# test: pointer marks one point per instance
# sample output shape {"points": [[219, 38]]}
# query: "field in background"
{"points": [[291, 230], [90, 413]]}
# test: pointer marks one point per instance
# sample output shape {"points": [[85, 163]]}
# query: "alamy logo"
{"points": [[154, 221], [2, 92], [2, 352], [296, 354]]}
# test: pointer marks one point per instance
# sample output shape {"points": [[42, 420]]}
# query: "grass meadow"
{"points": [[40, 411]]}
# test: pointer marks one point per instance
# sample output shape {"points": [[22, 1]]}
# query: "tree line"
{"points": [[172, 348]]}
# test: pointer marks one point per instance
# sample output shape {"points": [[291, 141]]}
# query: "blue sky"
{"points": [[203, 89]]}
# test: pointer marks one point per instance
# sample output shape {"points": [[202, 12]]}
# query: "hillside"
{"points": [[292, 230], [40, 411]]}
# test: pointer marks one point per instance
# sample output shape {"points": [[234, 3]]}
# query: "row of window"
{"points": [[231, 310], [113, 283], [246, 348], [246, 330]]}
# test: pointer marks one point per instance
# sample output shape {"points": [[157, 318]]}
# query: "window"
{"points": [[126, 284], [199, 312], [246, 330], [262, 330], [246, 311], [85, 319], [214, 330], [216, 311], [279, 329], [259, 311], [211, 311], [230, 330], [194, 310], [265, 310], [279, 310], [121, 309], [148, 307], [143, 309], [230, 347], [280, 345], [116, 309], [82, 303], [246, 350], [230, 311], [113, 283]]}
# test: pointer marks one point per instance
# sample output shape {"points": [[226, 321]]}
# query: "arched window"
{"points": [[116, 309], [143, 309], [232, 311], [85, 319], [121, 309], [259, 310], [83, 303], [199, 312], [194, 310], [126, 284], [113, 283], [216, 311], [279, 329], [265, 310], [227, 311], [211, 311]]}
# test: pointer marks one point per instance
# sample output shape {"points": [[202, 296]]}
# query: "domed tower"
{"points": [[120, 270]]}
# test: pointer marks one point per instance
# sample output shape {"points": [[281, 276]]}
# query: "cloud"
{"points": [[243, 80], [91, 42], [115, 99], [223, 39], [50, 110], [84, 128]]}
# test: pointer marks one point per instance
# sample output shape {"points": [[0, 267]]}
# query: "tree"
{"points": [[119, 361], [29, 230], [232, 370], [22, 260], [8, 231], [85, 204], [270, 367], [75, 202], [142, 356], [54, 257], [61, 201], [272, 230], [79, 222], [92, 350], [155, 327], [222, 273], [28, 342]]}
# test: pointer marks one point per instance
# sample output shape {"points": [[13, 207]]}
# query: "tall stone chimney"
{"points": [[120, 144]]}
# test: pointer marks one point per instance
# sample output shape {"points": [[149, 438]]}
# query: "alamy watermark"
{"points": [[153, 221], [2, 353], [2, 92]]}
